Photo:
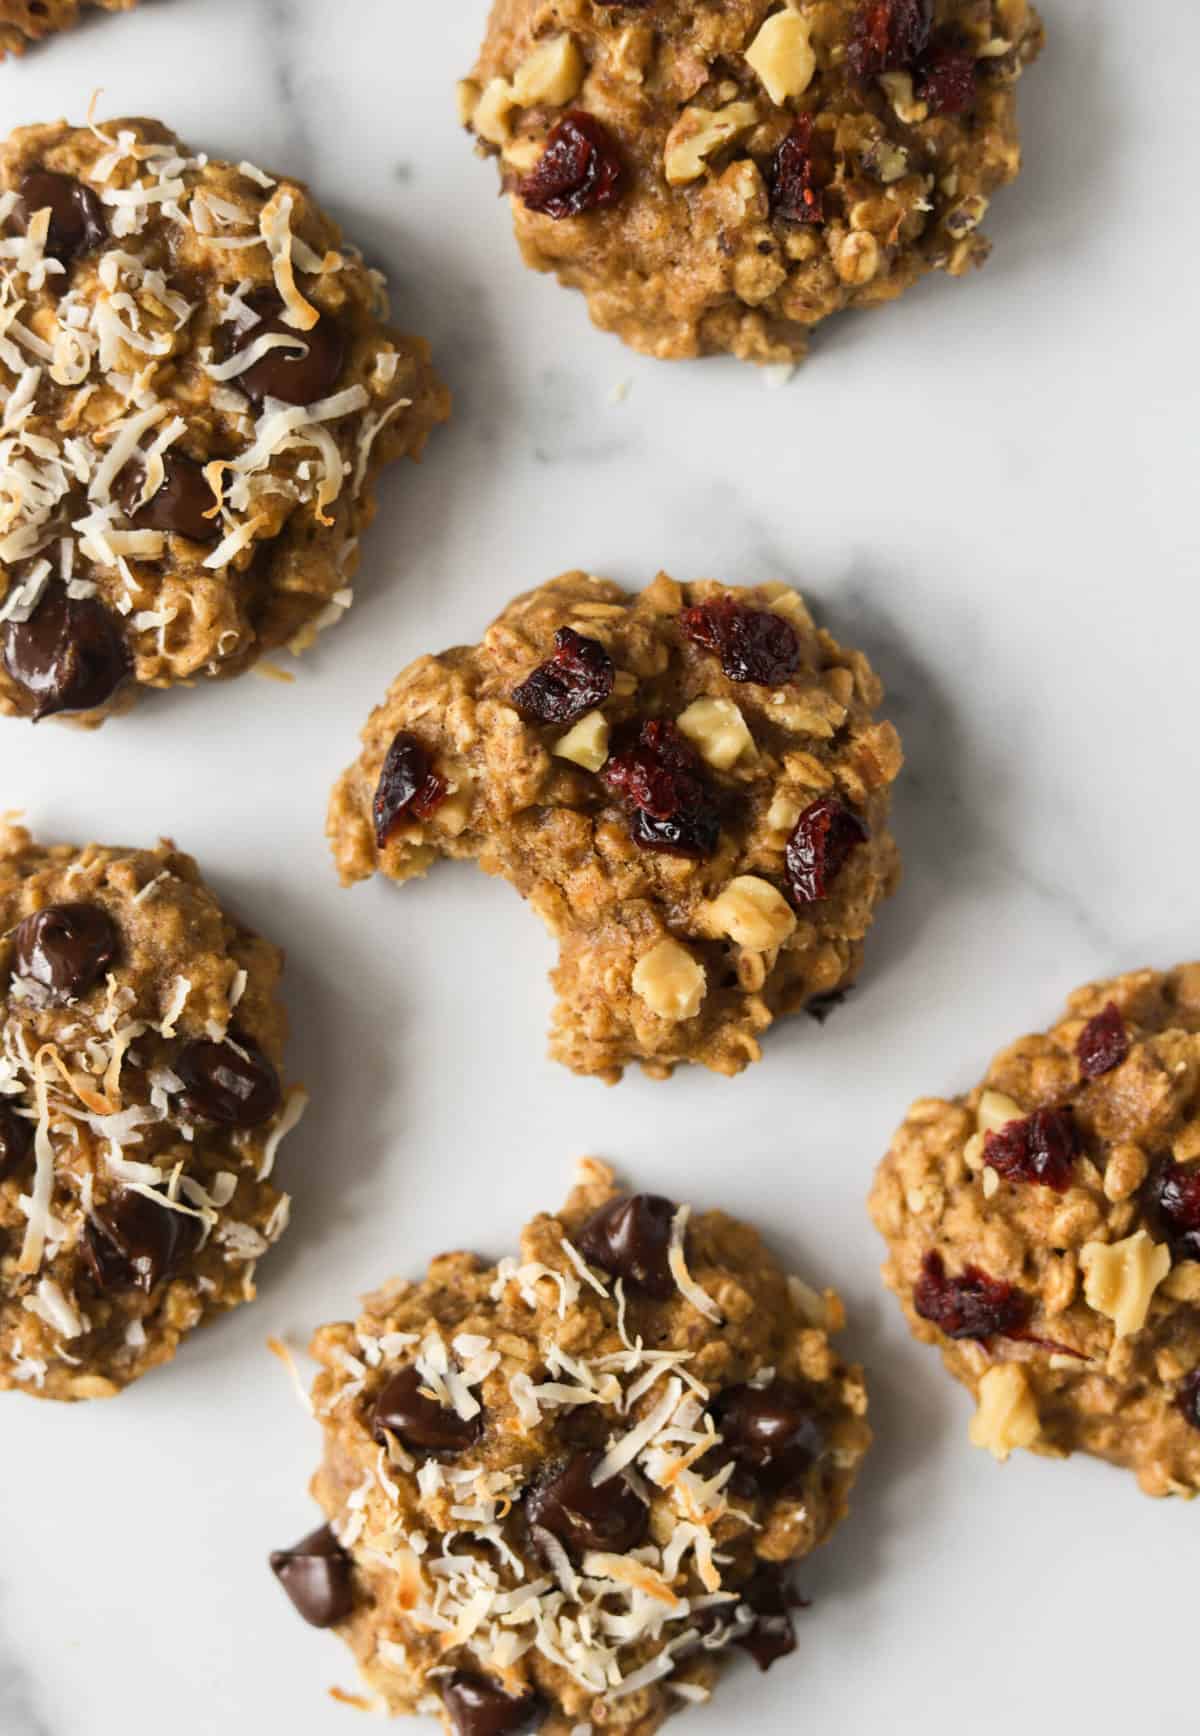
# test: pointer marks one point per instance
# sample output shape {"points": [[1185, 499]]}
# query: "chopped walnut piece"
{"points": [[1120, 1278], [717, 730], [782, 56], [699, 133], [753, 913], [670, 981], [552, 74], [586, 742], [1007, 1416]]}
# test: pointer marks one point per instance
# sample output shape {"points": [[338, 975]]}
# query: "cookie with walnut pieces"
{"points": [[1044, 1232], [723, 178], [26, 21], [689, 785], [201, 389], [558, 1490], [141, 1108]]}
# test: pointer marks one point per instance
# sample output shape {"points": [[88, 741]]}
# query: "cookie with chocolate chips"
{"points": [[723, 178], [690, 786], [26, 21], [201, 390], [1044, 1233], [141, 1107], [559, 1490]]}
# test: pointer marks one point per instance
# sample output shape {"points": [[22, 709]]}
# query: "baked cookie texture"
{"points": [[1044, 1232], [560, 1488], [140, 1112], [26, 21], [201, 391], [689, 785], [723, 177]]}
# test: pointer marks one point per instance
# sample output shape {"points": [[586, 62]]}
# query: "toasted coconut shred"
{"points": [[451, 1574]]}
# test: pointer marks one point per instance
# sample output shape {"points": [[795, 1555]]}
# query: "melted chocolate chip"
{"points": [[772, 1600], [64, 950], [315, 1573], [300, 372], [178, 506], [583, 1515], [629, 1236], [772, 1430], [477, 1706], [230, 1082], [403, 1410], [130, 1243], [69, 655], [77, 221], [16, 1141]]}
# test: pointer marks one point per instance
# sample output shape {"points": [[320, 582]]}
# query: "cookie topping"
{"points": [[1188, 1398], [578, 678], [477, 1706], [407, 1409], [182, 502], [68, 653], [972, 1305], [133, 1242], [229, 1082], [753, 644], [1040, 1149], [1174, 1192], [946, 81], [77, 223], [822, 839], [16, 1141], [296, 367], [797, 177], [772, 1600], [408, 787], [889, 36], [630, 1237], [62, 951], [316, 1575], [580, 169], [773, 1430], [584, 1515], [660, 778], [1103, 1043]]}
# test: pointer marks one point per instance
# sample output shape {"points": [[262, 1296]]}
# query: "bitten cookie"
{"points": [[1044, 1232], [560, 1488], [201, 391], [140, 1112], [725, 177], [26, 21], [688, 785]]}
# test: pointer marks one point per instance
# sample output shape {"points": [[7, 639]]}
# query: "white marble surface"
{"points": [[990, 487]]}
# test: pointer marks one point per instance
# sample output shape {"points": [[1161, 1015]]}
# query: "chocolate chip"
{"points": [[772, 1600], [230, 1082], [629, 1236], [130, 1243], [773, 1430], [583, 1515], [403, 1410], [298, 375], [64, 950], [179, 505], [477, 1706], [316, 1575], [70, 655], [16, 1141], [77, 221]]}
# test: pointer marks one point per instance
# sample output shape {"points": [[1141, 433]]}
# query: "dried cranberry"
{"points": [[578, 171], [408, 787], [797, 177], [575, 680], [946, 79], [821, 840], [1188, 1397], [889, 35], [1103, 1042], [753, 644], [1174, 1194], [660, 779], [1041, 1148], [971, 1305]]}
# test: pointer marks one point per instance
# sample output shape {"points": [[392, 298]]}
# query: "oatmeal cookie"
{"points": [[560, 1488], [724, 177], [201, 390], [689, 786], [26, 21], [1044, 1232], [140, 1111]]}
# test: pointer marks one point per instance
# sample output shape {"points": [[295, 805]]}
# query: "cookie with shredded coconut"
{"points": [[690, 785], [26, 21], [201, 388], [560, 1489], [141, 1108]]}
